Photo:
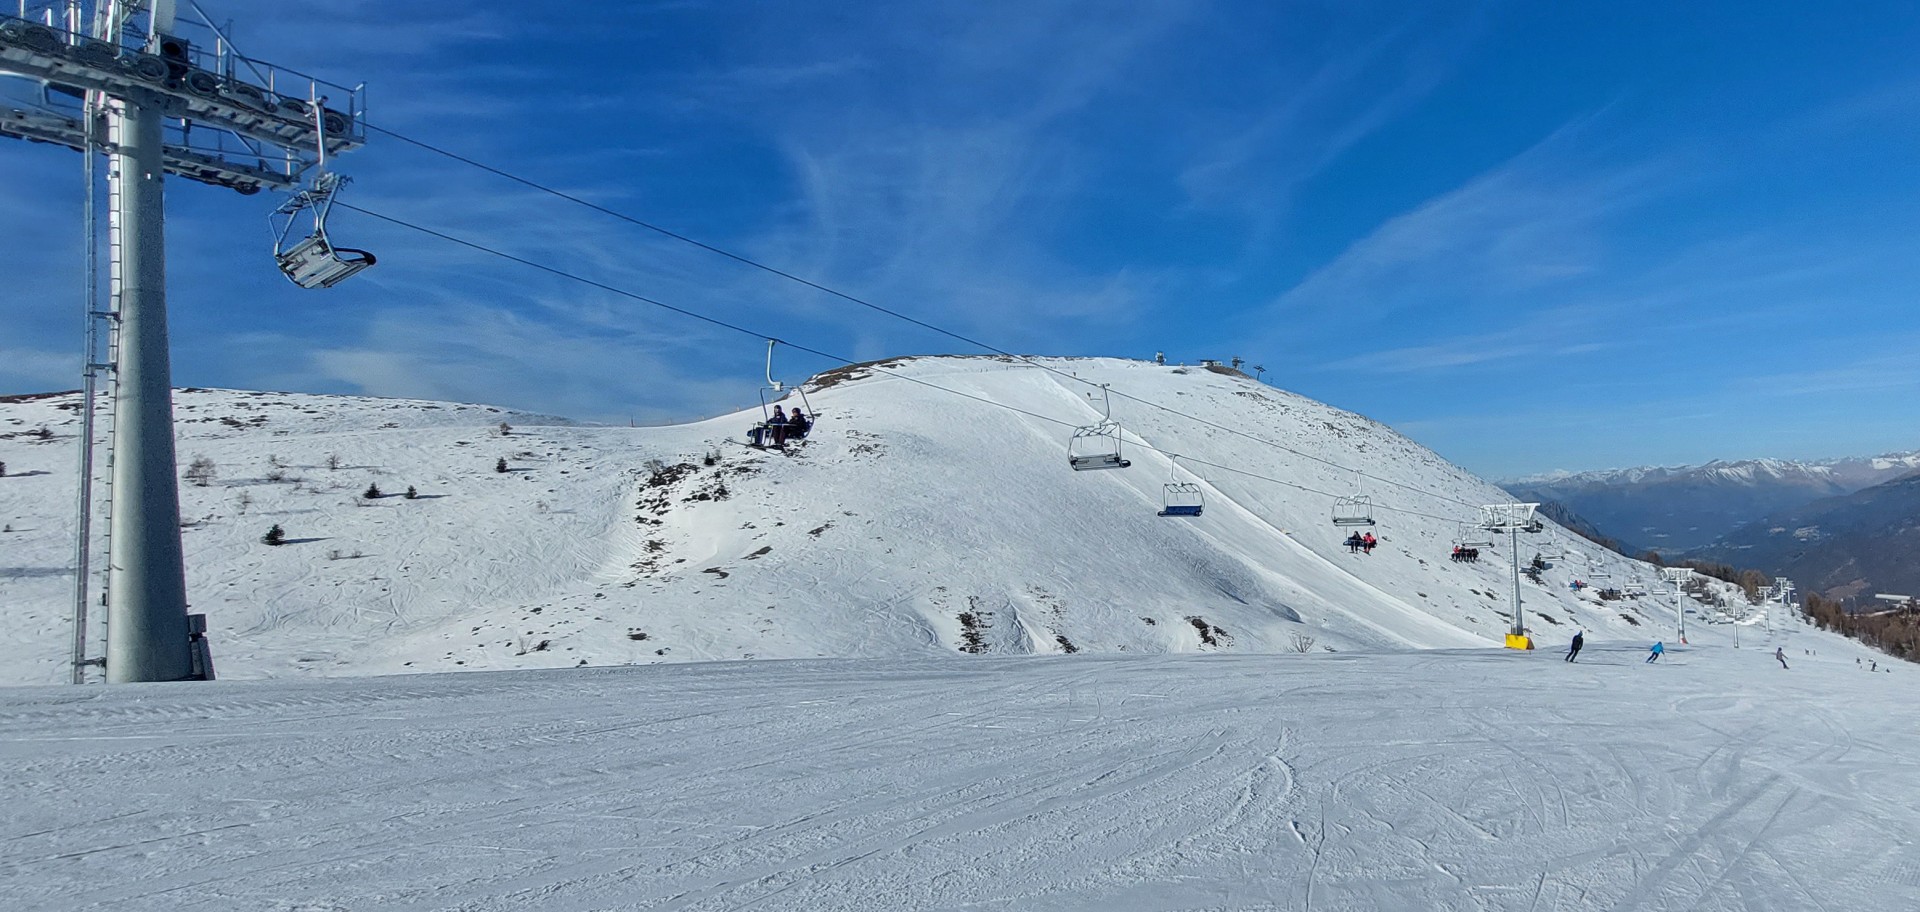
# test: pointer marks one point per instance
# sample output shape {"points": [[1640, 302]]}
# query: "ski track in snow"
{"points": [[1467, 779]]}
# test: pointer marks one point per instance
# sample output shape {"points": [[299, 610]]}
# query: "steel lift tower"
{"points": [[1513, 519], [125, 78]]}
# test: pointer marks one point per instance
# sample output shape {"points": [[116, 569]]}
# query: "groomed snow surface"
{"points": [[1443, 779], [1185, 757]]}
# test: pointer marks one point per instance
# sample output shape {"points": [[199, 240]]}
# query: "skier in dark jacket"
{"points": [[1574, 650], [778, 425], [797, 424], [1354, 543]]}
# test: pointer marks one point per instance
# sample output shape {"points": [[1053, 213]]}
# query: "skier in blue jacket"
{"points": [[1659, 649]]}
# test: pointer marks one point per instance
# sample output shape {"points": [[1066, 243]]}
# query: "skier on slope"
{"points": [[1574, 650], [1780, 652], [1659, 649]]}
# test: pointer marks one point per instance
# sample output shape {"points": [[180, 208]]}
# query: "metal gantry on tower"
{"points": [[159, 96]]}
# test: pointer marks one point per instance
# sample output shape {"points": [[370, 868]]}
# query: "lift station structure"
{"points": [[159, 95]]}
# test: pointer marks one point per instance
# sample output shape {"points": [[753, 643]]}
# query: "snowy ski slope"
{"points": [[909, 508], [1440, 779]]}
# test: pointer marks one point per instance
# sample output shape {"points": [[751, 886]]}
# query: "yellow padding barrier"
{"points": [[1517, 641]]}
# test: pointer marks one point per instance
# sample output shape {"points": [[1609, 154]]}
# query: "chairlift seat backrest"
{"points": [[315, 263], [1353, 511], [1183, 499], [1096, 446]]}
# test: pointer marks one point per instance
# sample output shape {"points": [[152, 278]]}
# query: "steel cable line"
{"points": [[773, 270], [734, 327]]}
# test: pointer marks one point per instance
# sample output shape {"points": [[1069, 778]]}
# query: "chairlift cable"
{"points": [[734, 327], [854, 299]]}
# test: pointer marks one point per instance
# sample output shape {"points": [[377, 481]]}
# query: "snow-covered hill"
{"points": [[912, 522]]}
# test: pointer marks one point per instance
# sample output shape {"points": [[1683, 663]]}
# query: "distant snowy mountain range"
{"points": [[913, 521], [1679, 508]]}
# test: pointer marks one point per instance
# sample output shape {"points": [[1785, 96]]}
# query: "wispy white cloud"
{"points": [[1531, 222], [489, 354]]}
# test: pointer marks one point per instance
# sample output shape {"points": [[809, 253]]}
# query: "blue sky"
{"points": [[1532, 236]]}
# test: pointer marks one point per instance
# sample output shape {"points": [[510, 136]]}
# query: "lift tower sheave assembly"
{"points": [[125, 78]]}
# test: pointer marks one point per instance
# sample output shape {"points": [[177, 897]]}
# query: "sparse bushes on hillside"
{"points": [[506, 429], [274, 536], [333, 460], [200, 471], [3, 470], [501, 466], [411, 493], [372, 492]]}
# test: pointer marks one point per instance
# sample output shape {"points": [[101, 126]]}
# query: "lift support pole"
{"points": [[147, 637]]}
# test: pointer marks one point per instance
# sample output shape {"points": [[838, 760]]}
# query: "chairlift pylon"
{"points": [[314, 261], [1182, 498], [1097, 446]]}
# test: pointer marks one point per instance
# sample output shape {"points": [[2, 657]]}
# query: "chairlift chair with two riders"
{"points": [[1097, 446], [315, 261], [1182, 498], [762, 434]]}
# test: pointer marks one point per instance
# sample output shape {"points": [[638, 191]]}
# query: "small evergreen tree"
{"points": [[372, 492], [275, 535], [501, 466], [411, 493], [3, 470]]}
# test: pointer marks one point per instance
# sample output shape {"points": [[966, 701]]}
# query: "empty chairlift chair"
{"points": [[1182, 498], [314, 261], [1096, 446]]}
